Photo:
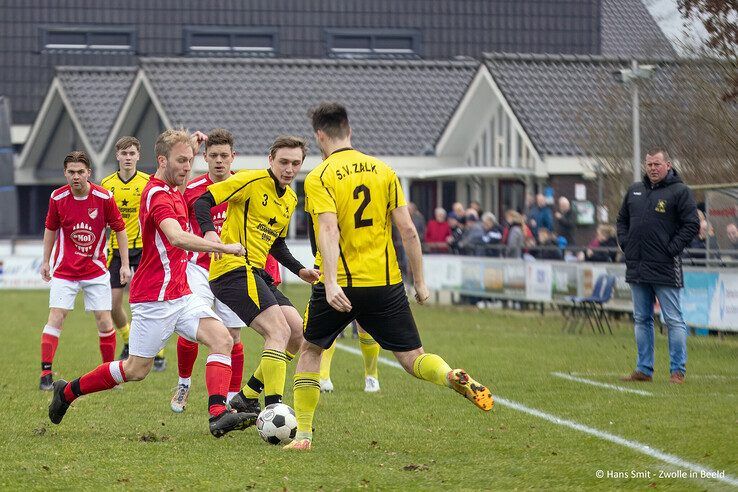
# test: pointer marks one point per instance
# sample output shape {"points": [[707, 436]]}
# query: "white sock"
{"points": [[185, 381]]}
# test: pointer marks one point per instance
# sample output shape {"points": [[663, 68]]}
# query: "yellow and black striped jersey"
{"points": [[362, 191], [127, 195], [259, 211]]}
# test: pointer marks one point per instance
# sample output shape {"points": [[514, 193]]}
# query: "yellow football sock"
{"points": [[431, 367], [325, 362], [125, 332], [274, 368], [255, 385], [306, 395], [370, 351]]}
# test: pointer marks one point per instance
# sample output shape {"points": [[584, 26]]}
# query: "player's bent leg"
{"points": [[326, 385], [49, 343], [104, 377], [431, 367], [272, 325], [370, 352], [106, 333], [186, 357], [237, 361], [306, 394], [212, 333], [120, 320]]}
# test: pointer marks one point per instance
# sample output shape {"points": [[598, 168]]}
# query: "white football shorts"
{"points": [[96, 291], [152, 323]]}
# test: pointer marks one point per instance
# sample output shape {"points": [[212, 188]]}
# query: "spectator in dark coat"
{"points": [[566, 224], [605, 238], [540, 215], [492, 235], [657, 220]]}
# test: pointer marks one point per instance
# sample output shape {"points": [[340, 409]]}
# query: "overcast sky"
{"points": [[667, 15]]}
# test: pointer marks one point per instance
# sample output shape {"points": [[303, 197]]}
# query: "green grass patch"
{"points": [[412, 435]]}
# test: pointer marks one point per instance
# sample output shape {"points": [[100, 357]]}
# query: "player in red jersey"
{"points": [[161, 300], [74, 258], [219, 155]]}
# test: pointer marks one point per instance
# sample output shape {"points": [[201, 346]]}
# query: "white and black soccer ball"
{"points": [[277, 424]]}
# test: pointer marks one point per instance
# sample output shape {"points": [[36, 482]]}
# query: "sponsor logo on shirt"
{"points": [[661, 206], [83, 237]]}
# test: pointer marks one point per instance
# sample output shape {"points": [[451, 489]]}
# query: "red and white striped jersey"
{"points": [[79, 250], [195, 188], [161, 274]]}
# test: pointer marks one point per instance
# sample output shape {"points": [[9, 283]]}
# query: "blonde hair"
{"points": [[168, 139]]}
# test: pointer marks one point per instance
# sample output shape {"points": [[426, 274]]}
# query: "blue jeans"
{"points": [[644, 296]]}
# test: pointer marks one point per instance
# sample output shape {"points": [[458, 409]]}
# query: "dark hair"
{"points": [[219, 136], [659, 150], [125, 142], [331, 118], [77, 156], [288, 142]]}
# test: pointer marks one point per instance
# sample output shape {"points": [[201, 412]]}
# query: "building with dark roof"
{"points": [[422, 94]]}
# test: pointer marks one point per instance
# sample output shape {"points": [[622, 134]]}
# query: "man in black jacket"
{"points": [[657, 220]]}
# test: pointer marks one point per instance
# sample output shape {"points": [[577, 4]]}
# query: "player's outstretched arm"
{"points": [[413, 250], [190, 242], [282, 254], [328, 237], [202, 208], [49, 238], [125, 268]]}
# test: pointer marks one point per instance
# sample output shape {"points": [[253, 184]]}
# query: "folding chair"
{"points": [[594, 305], [579, 306]]}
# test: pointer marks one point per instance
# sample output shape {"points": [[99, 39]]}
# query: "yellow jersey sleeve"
{"points": [[319, 194], [234, 189], [396, 195]]}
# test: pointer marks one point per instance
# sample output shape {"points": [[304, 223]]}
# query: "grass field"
{"points": [[411, 435]]}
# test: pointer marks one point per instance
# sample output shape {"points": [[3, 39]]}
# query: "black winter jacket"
{"points": [[655, 223]]}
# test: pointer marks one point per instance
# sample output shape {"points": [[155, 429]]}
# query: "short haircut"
{"points": [[167, 140], [77, 156], [331, 118], [125, 142], [659, 150], [288, 142], [219, 136]]}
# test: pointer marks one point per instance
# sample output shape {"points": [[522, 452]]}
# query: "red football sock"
{"points": [[186, 356], [107, 345], [49, 342], [103, 377], [236, 368], [217, 377]]}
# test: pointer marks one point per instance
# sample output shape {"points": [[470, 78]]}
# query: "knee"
{"points": [[223, 344], [136, 371], [235, 335], [56, 317]]}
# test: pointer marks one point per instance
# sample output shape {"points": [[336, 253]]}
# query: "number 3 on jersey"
{"points": [[359, 222]]}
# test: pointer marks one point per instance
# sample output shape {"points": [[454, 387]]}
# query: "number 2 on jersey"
{"points": [[358, 220]]}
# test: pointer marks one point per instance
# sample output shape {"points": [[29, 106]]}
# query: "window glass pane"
{"points": [[253, 41], [393, 43], [213, 40], [110, 38], [341, 41], [66, 37]]}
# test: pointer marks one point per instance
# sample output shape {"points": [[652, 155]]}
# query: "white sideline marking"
{"points": [[623, 389], [606, 436], [690, 375]]}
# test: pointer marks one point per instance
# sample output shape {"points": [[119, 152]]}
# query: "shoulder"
{"points": [[155, 189], [108, 180], [100, 192], [142, 175], [248, 176], [60, 193], [197, 182]]}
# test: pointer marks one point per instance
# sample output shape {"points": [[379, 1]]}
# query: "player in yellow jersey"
{"points": [[126, 184], [260, 205], [353, 199]]}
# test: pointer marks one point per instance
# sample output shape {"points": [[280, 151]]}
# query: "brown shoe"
{"points": [[677, 378], [636, 376]]}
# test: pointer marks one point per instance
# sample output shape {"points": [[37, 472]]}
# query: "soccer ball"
{"points": [[277, 424]]}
